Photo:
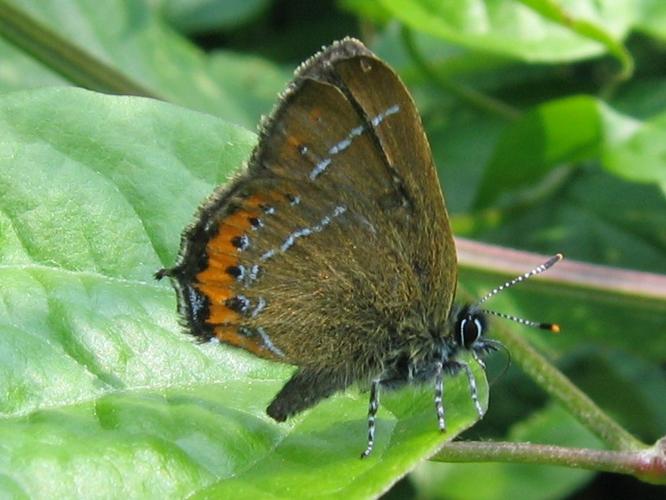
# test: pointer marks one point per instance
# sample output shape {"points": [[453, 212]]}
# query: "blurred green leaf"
{"points": [[568, 131], [19, 71], [196, 16], [642, 98], [589, 215], [102, 393], [641, 155], [129, 38], [255, 82], [513, 29], [630, 385], [368, 9], [653, 20]]}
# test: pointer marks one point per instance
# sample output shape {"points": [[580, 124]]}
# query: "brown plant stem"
{"points": [[648, 464], [498, 259]]}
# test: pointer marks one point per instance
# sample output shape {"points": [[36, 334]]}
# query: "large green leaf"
{"points": [[102, 393], [19, 71]]}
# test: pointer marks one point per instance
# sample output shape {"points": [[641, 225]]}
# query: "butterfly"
{"points": [[332, 251]]}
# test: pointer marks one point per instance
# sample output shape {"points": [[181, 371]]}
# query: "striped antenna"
{"points": [[553, 327], [537, 270]]}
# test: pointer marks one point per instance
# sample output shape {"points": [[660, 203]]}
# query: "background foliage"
{"points": [[548, 125]]}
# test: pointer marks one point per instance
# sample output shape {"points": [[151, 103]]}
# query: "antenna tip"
{"points": [[559, 256], [552, 327]]}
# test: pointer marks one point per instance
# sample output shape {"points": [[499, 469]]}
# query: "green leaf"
{"points": [[630, 385], [102, 392], [255, 84], [566, 130], [197, 16], [369, 9], [588, 214], [513, 29], [19, 71], [570, 130], [653, 20], [641, 155]]}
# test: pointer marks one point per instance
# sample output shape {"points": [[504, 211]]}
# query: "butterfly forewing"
{"points": [[326, 242], [376, 88]]}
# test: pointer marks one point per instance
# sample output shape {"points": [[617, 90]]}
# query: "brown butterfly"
{"points": [[332, 251]]}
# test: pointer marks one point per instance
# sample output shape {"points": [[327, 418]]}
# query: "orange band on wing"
{"points": [[218, 281], [221, 244], [218, 275], [238, 222], [216, 295], [230, 335], [220, 315]]}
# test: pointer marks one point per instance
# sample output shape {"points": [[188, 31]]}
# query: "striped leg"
{"points": [[478, 359], [372, 412], [439, 394], [472, 388]]}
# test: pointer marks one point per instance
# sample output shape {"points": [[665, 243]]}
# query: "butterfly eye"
{"points": [[469, 330]]}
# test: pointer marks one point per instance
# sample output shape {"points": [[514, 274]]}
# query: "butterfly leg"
{"points": [[439, 395], [478, 359], [372, 412], [472, 388]]}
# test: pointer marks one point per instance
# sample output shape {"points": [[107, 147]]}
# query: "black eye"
{"points": [[470, 329]]}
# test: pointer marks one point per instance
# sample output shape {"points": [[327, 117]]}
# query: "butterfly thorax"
{"points": [[426, 350]]}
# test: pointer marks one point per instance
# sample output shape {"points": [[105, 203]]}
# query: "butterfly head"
{"points": [[470, 322], [469, 328]]}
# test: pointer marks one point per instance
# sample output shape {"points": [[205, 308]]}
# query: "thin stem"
{"points": [[63, 57], [560, 387], [467, 94], [648, 465]]}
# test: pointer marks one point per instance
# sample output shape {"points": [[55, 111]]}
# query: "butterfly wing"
{"points": [[375, 87], [334, 238]]}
